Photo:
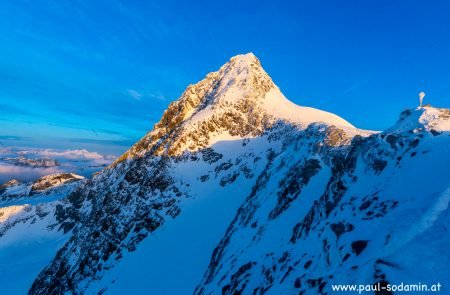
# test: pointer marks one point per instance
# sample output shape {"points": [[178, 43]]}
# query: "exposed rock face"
{"points": [[311, 193]]}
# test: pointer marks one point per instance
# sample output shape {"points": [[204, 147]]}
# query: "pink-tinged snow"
{"points": [[9, 213], [57, 181], [439, 119], [278, 105]]}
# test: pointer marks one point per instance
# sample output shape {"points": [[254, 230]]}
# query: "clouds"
{"points": [[158, 96], [67, 158], [24, 174], [74, 155], [139, 95], [134, 94], [79, 161]]}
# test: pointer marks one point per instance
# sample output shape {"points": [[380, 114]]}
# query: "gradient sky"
{"points": [[98, 74]]}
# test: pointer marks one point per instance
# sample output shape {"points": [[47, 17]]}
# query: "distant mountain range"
{"points": [[236, 190]]}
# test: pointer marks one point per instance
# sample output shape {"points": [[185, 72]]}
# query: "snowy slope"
{"points": [[178, 248], [31, 230], [279, 106], [351, 223], [237, 189], [29, 238]]}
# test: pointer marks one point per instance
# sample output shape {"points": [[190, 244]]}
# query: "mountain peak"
{"points": [[239, 100], [10, 183], [423, 118], [246, 57], [242, 77], [248, 60]]}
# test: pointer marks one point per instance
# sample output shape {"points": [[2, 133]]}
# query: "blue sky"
{"points": [[98, 74]]}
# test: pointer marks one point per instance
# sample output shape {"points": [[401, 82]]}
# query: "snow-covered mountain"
{"points": [[370, 211], [53, 186], [237, 190], [30, 233]]}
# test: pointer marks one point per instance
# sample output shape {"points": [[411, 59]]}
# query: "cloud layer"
{"points": [[80, 161]]}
